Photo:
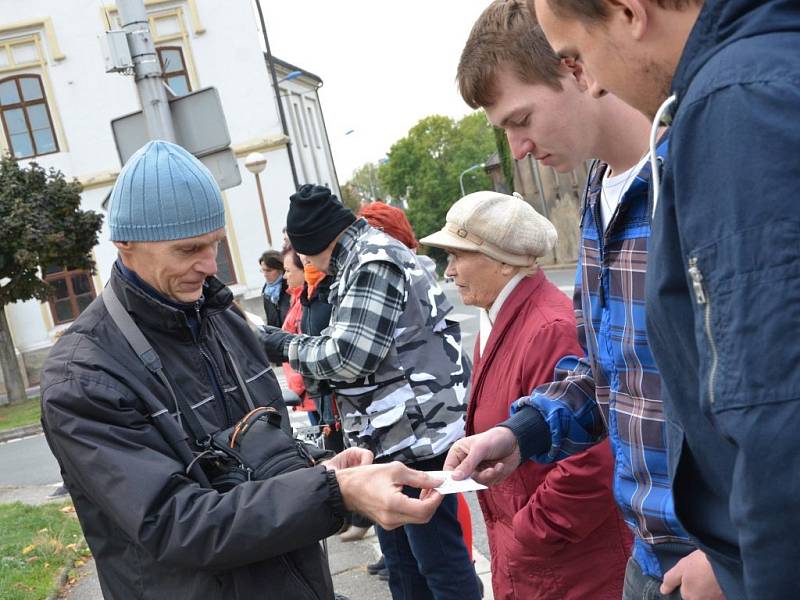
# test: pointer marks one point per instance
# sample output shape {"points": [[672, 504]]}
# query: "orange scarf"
{"points": [[313, 277]]}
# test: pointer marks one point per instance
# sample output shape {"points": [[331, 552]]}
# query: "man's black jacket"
{"points": [[154, 532]]}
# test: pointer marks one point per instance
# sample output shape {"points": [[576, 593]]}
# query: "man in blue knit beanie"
{"points": [[129, 427]]}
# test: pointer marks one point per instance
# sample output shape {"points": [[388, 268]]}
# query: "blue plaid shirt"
{"points": [[616, 388]]}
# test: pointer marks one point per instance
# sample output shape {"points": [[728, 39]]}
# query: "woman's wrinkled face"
{"points": [[479, 279]]}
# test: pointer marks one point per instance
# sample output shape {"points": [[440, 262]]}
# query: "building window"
{"points": [[312, 125], [225, 272], [71, 290], [173, 67], [26, 117], [298, 117]]}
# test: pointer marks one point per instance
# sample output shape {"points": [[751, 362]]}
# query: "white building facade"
{"points": [[57, 102]]}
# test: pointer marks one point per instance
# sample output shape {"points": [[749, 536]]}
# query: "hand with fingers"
{"points": [[376, 491], [351, 457], [487, 457], [276, 343], [695, 578]]}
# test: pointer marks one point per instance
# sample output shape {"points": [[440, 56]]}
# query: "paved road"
{"points": [[28, 461]]}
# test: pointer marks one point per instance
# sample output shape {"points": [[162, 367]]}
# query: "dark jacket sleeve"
{"points": [[748, 327], [121, 462]]}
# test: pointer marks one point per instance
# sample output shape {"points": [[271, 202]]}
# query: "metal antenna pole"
{"points": [[147, 70]]}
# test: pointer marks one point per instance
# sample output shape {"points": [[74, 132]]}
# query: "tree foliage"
{"points": [[424, 167], [42, 225], [365, 184], [350, 197], [504, 154]]}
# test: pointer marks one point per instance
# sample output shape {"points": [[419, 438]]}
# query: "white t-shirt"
{"points": [[614, 188]]}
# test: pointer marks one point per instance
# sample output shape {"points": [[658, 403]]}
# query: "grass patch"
{"points": [[35, 543], [18, 415]]}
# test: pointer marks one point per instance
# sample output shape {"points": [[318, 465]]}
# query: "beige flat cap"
{"points": [[505, 228]]}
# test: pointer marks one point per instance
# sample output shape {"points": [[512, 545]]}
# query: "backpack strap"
{"points": [[131, 332]]}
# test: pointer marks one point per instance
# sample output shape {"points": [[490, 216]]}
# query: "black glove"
{"points": [[276, 343]]}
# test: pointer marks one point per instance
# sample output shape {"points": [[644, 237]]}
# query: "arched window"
{"points": [[26, 117]]}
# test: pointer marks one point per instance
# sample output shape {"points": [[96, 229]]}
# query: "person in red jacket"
{"points": [[554, 530], [294, 276]]}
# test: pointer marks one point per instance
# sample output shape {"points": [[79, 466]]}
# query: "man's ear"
{"points": [[631, 14], [508, 270], [576, 71], [124, 248]]}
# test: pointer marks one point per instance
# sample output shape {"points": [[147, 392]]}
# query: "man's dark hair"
{"points": [[271, 259], [597, 10], [506, 35]]}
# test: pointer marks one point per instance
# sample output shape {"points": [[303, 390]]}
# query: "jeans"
{"points": [[429, 562], [639, 586]]}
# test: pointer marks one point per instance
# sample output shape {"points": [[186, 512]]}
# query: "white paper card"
{"points": [[450, 486]]}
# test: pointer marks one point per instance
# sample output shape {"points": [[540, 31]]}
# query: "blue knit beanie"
{"points": [[164, 193]]}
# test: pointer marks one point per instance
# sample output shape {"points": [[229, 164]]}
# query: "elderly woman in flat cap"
{"points": [[547, 523]]}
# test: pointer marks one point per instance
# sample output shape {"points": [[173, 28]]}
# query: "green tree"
{"points": [[42, 225], [351, 197], [506, 160], [365, 184], [424, 167]]}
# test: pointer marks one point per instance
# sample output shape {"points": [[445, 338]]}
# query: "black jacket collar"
{"points": [[150, 312]]}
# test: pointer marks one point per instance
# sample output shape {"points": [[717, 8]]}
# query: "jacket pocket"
{"points": [[304, 588], [746, 293]]}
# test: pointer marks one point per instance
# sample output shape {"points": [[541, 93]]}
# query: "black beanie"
{"points": [[315, 218]]}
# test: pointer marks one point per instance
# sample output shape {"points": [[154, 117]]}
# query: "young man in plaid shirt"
{"points": [[553, 110], [400, 376]]}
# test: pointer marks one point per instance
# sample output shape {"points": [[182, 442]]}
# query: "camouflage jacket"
{"points": [[408, 400]]}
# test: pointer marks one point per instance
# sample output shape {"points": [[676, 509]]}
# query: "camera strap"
{"points": [[152, 361]]}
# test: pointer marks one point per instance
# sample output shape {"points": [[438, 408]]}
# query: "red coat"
{"points": [[554, 530]]}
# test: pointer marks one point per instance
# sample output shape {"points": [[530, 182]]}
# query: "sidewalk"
{"points": [[348, 563]]}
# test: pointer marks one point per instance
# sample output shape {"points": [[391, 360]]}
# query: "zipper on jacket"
{"points": [[703, 299], [601, 243], [226, 413], [218, 375], [199, 320]]}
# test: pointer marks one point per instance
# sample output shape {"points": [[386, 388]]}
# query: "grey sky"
{"points": [[385, 64]]}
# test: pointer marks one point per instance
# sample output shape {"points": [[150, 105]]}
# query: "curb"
{"points": [[20, 432], [61, 582]]}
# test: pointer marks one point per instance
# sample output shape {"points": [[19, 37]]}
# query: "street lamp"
{"points": [[464, 172], [255, 163]]}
